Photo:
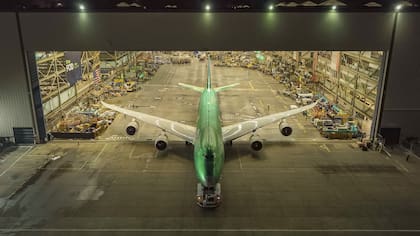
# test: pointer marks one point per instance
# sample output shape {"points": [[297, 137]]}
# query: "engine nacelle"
{"points": [[161, 143], [285, 128], [132, 128], [255, 142]]}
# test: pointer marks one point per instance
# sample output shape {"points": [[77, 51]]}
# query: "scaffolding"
{"points": [[350, 79], [115, 63], [52, 76]]}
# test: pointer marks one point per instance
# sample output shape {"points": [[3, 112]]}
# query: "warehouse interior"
{"points": [[72, 84]]}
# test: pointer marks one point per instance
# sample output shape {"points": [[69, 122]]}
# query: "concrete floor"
{"points": [[300, 185]]}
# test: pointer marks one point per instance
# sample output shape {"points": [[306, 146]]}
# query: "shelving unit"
{"points": [[350, 78]]}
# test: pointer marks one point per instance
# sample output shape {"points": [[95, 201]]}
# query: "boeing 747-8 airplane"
{"points": [[209, 137]]}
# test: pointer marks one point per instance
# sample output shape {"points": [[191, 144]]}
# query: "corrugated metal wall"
{"points": [[15, 108], [206, 31], [402, 106]]}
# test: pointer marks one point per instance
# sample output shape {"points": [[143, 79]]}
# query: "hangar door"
{"points": [[72, 84]]}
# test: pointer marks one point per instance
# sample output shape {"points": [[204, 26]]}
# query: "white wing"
{"points": [[234, 131], [186, 132]]}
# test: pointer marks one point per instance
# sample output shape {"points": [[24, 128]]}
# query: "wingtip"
{"points": [[182, 85]]}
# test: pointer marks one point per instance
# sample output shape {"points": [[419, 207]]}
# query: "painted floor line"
{"points": [[250, 85], [400, 166], [205, 230], [83, 166], [96, 158], [131, 152], [18, 159], [100, 153]]}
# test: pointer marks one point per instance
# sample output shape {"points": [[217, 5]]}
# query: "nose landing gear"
{"points": [[209, 197]]}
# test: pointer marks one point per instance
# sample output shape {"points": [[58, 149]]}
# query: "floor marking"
{"points": [[96, 158], [14, 163], [148, 160], [61, 168], [397, 164], [239, 158], [146, 167], [250, 85], [83, 166], [100, 153], [39, 155], [240, 163], [409, 152], [324, 146], [131, 152], [400, 166], [14, 230]]}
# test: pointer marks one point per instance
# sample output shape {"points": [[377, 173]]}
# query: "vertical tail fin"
{"points": [[208, 74]]}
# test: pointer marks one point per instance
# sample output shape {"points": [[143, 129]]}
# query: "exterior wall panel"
{"points": [[402, 94], [207, 31], [15, 108]]}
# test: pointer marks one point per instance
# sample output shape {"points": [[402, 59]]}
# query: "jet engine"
{"points": [[285, 128], [256, 142], [132, 128], [161, 142]]}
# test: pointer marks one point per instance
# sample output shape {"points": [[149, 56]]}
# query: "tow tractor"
{"points": [[209, 197]]}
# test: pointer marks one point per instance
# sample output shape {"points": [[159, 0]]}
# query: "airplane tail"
{"points": [[226, 87], [200, 89], [195, 88], [208, 75]]}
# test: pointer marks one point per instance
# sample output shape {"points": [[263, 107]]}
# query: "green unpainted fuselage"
{"points": [[209, 153]]}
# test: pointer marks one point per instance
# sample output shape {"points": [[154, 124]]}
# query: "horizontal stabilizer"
{"points": [[195, 88], [218, 89]]}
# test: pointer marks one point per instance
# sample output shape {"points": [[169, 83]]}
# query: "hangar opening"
{"points": [[72, 84]]}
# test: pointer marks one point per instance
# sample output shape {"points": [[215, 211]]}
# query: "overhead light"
{"points": [[82, 7], [171, 6], [398, 7], [241, 6], [271, 7], [122, 4], [334, 7], [134, 5], [208, 7]]}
